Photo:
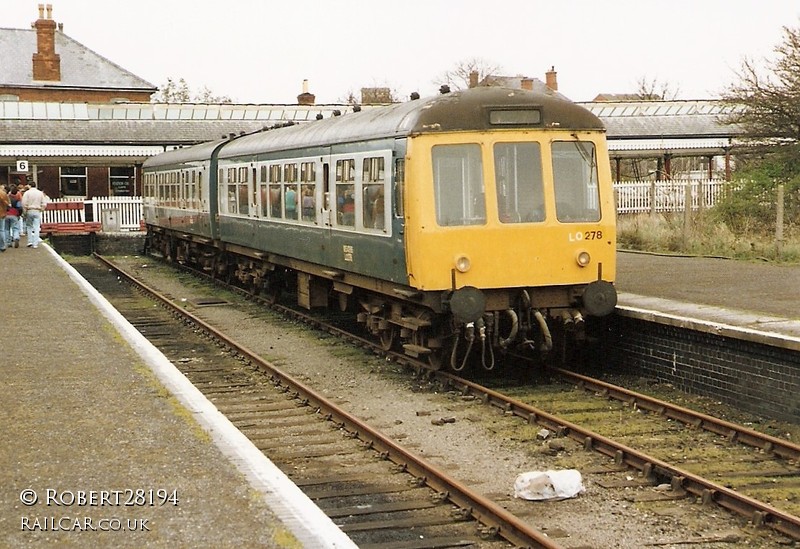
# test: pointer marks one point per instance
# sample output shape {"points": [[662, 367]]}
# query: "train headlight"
{"points": [[463, 264], [583, 258]]}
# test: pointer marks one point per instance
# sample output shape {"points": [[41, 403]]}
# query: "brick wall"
{"points": [[754, 377], [79, 95]]}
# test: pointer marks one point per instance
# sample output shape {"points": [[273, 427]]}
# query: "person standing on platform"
{"points": [[33, 204], [22, 189], [12, 217], [4, 202]]}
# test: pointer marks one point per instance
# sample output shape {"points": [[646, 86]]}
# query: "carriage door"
{"points": [[255, 195], [326, 196]]}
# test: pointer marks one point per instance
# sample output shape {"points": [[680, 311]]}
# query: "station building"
{"points": [[81, 126]]}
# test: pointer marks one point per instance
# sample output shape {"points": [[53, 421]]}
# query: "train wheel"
{"points": [[273, 286], [343, 299], [388, 337], [436, 359], [168, 250]]}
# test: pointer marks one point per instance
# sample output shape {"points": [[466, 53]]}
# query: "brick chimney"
{"points": [[46, 62], [550, 79], [526, 83], [473, 79], [306, 98]]}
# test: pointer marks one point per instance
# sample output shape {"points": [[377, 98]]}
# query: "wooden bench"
{"points": [[80, 227]]}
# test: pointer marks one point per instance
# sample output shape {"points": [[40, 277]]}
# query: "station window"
{"points": [[72, 181], [122, 181]]}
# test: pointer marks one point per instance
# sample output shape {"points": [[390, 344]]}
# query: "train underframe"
{"points": [[452, 330]]}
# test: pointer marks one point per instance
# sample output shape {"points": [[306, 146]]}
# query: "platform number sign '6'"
{"points": [[22, 166]]}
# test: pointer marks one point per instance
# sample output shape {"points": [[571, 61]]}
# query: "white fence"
{"points": [[667, 196], [123, 213]]}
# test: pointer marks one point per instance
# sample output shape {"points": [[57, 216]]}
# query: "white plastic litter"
{"points": [[545, 485]]}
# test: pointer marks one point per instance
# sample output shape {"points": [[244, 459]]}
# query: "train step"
{"points": [[415, 350]]}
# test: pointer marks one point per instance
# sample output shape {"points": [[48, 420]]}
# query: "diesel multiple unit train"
{"points": [[455, 227]]}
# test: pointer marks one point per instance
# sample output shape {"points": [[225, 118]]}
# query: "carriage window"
{"points": [[262, 190], [275, 173], [575, 181], [200, 190], [518, 181], [185, 193], [374, 200], [346, 170], [275, 200], [308, 201], [243, 199], [346, 204], [290, 191], [458, 185], [174, 189], [232, 208], [275, 191], [345, 192]]}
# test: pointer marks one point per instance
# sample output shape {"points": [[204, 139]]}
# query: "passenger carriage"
{"points": [[471, 220]]}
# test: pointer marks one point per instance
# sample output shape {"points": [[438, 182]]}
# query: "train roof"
{"points": [[183, 155], [456, 111]]}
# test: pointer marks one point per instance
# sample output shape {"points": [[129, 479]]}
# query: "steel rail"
{"points": [[735, 433], [758, 512], [498, 520]]}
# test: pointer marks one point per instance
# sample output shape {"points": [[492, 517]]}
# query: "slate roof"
{"points": [[143, 123], [80, 66], [641, 119], [681, 128]]}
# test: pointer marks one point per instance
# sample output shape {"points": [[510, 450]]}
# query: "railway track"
{"points": [[750, 473], [682, 482], [378, 492]]}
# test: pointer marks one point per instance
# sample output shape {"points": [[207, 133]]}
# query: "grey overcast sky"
{"points": [[260, 51]]}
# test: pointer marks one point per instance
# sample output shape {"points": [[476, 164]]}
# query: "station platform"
{"points": [[753, 301], [105, 444]]}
